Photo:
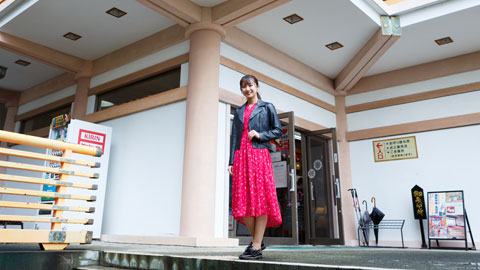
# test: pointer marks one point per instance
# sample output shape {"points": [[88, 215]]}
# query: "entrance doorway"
{"points": [[310, 206], [322, 199]]}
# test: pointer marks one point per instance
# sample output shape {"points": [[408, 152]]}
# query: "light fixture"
{"points": [[3, 71], [443, 41], [294, 18], [72, 36], [333, 46], [22, 62], [115, 12]]}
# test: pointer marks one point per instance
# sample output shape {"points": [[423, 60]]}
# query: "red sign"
{"points": [[91, 138]]}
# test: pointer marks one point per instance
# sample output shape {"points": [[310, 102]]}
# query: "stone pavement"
{"points": [[275, 257]]}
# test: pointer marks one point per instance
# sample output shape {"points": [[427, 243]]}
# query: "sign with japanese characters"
{"points": [[395, 149], [446, 215], [419, 208]]}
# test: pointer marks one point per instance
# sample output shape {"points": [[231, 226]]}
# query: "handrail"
{"points": [[17, 138]]}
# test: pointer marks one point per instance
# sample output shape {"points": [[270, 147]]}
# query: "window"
{"points": [[43, 120], [143, 88]]}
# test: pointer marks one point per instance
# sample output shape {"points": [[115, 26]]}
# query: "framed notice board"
{"points": [[446, 216]]}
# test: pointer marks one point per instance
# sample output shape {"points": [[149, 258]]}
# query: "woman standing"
{"points": [[254, 197]]}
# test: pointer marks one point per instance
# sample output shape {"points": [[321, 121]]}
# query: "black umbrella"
{"points": [[376, 217], [365, 221]]}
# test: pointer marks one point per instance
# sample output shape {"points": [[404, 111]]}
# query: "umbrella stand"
{"points": [[376, 217]]}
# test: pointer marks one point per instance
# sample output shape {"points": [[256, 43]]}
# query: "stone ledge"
{"points": [[171, 240]]}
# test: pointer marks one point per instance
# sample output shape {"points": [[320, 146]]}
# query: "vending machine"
{"points": [[84, 133]]}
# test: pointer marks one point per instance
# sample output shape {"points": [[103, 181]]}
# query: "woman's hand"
{"points": [[230, 170], [253, 134]]}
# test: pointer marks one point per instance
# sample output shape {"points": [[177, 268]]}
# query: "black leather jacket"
{"points": [[263, 119]]}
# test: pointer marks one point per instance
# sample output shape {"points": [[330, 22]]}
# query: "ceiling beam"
{"points": [[234, 12], [42, 54], [183, 12], [378, 44], [422, 72]]}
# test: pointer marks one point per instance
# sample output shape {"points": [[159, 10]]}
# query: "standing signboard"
{"points": [[446, 216], [419, 212]]}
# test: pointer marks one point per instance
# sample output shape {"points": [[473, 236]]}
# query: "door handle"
{"points": [[311, 191], [292, 180]]}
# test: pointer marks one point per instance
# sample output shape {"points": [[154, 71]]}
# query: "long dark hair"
{"points": [[248, 78]]}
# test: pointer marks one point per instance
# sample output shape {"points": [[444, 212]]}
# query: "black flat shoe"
{"points": [[263, 246], [248, 250], [253, 254]]}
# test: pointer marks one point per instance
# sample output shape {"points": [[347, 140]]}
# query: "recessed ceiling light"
{"points": [[22, 62], [72, 36], [333, 46], [294, 18], [443, 41], [115, 12]]}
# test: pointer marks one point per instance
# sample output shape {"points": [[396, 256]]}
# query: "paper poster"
{"points": [[446, 218], [280, 174]]}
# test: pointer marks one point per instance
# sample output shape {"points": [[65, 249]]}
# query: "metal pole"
{"points": [[424, 245]]}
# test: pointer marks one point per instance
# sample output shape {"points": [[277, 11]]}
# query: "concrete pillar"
{"points": [[200, 153], [348, 211], [81, 97]]}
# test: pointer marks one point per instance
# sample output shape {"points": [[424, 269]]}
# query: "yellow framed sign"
{"points": [[395, 149]]}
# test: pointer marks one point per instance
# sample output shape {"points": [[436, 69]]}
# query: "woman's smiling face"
{"points": [[249, 89]]}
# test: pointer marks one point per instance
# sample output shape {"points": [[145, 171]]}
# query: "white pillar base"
{"points": [[171, 240]]}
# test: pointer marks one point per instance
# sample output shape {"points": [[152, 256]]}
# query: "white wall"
{"points": [[66, 92], [145, 175], [229, 80], [448, 159]]}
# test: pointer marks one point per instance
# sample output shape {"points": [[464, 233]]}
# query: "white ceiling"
{"points": [[324, 22], [20, 77], [47, 21]]}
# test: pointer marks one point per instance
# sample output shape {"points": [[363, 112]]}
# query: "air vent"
{"points": [[333, 46], [72, 36], [294, 18], [115, 12], [22, 62], [443, 41]]}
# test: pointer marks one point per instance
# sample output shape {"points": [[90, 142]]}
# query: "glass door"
{"points": [[324, 223], [284, 167]]}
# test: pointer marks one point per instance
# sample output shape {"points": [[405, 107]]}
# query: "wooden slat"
{"points": [[34, 180], [36, 193], [455, 90], [42, 236], [26, 154], [46, 219], [17, 138], [414, 127], [35, 168], [45, 206]]}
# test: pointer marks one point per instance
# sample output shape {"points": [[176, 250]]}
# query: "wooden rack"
{"points": [[55, 238]]}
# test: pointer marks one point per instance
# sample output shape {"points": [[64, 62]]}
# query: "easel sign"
{"points": [[447, 218]]}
